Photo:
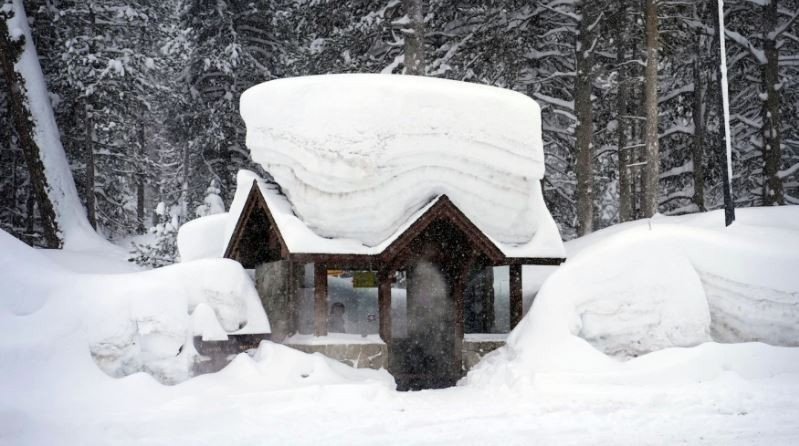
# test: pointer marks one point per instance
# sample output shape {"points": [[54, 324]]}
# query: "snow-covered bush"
{"points": [[212, 203], [163, 250]]}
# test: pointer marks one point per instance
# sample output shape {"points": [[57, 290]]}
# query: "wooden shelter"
{"points": [[438, 253]]}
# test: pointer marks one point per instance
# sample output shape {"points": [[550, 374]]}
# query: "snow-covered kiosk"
{"points": [[418, 185]]}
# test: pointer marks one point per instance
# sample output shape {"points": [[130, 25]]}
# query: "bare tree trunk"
{"points": [[699, 128], [652, 169], [31, 217], [583, 110], [636, 155], [184, 187], [140, 182], [625, 198], [414, 37], [773, 193], [91, 207]]}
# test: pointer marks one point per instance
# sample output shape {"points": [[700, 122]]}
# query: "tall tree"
{"points": [[772, 124], [698, 116], [414, 37], [622, 110], [652, 169], [60, 209], [583, 106]]}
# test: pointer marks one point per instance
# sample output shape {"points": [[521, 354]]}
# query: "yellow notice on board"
{"points": [[364, 279]]}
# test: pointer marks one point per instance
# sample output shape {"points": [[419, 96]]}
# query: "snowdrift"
{"points": [[57, 326], [649, 287], [132, 322], [357, 155]]}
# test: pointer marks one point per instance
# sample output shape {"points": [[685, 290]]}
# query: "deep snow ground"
{"points": [[727, 410], [549, 386]]}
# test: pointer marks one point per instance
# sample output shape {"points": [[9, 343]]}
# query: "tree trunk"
{"points": [[51, 179], [699, 128], [625, 197], [184, 186], [140, 182], [583, 110], [652, 169], [11, 52], [636, 154], [773, 193], [30, 216], [91, 202], [91, 207], [414, 37]]}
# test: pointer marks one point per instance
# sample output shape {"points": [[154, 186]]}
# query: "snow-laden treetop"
{"points": [[359, 154]]}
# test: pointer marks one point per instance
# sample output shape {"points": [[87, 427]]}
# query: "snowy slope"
{"points": [[358, 155]]}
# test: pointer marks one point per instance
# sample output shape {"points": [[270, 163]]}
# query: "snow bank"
{"points": [[358, 155], [132, 322], [57, 326], [653, 285]]}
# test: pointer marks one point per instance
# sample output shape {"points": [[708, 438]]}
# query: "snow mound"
{"points": [[625, 307], [357, 155], [132, 322], [645, 288], [202, 237], [279, 367]]}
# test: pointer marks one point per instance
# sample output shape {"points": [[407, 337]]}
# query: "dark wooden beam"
{"points": [[320, 299], [516, 303], [384, 304], [363, 262], [458, 291], [533, 261]]}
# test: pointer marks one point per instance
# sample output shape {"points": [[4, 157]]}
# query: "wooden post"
{"points": [[516, 303], [384, 304], [457, 297], [320, 300]]}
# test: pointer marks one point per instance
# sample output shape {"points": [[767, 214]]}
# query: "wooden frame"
{"points": [[443, 208], [320, 299], [441, 224], [384, 304], [516, 301]]}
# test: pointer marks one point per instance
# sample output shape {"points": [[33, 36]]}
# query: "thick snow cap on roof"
{"points": [[359, 154]]}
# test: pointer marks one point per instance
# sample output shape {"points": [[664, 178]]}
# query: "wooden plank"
{"points": [[320, 299], [340, 261], [516, 303], [458, 291], [384, 304], [553, 261]]}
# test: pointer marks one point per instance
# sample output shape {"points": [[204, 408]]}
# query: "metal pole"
{"points": [[729, 204]]}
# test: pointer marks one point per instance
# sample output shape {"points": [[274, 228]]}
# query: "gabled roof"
{"points": [[268, 230], [443, 208]]}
